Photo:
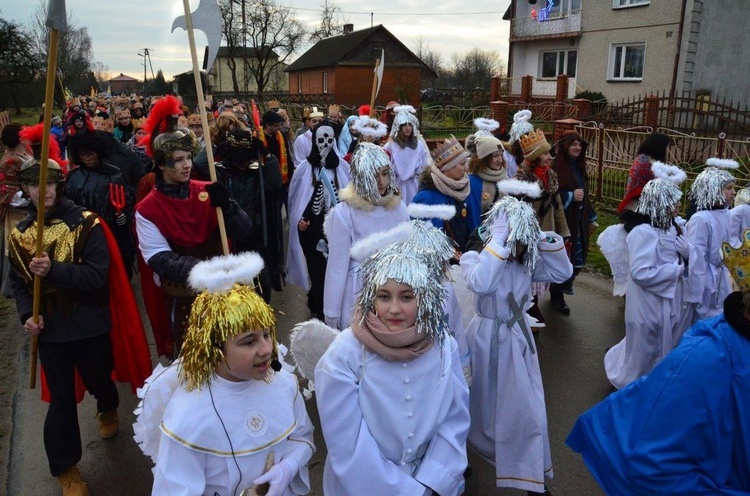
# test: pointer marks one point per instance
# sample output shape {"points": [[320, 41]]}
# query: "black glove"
{"points": [[257, 147], [219, 195]]}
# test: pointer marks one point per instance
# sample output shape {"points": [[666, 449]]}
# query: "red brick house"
{"points": [[342, 66], [125, 84]]}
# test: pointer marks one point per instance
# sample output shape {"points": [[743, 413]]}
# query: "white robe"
{"points": [[508, 413], [345, 225], [407, 165], [392, 428], [195, 456], [300, 192], [707, 230], [740, 220], [302, 147], [651, 307]]}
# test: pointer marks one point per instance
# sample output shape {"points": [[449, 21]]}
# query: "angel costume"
{"points": [[509, 419], [409, 156]]}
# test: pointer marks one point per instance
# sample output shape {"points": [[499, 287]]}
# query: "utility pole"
{"points": [[146, 63]]}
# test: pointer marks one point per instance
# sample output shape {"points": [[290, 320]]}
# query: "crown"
{"points": [[334, 108], [533, 144], [738, 261], [274, 104]]}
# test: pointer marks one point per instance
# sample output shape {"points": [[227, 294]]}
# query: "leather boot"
{"points": [[109, 424], [72, 483]]}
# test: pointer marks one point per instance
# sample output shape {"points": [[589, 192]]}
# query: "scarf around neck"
{"points": [[450, 187], [491, 175], [399, 346]]}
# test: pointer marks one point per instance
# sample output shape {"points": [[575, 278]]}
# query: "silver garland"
{"points": [[426, 238], [524, 228], [708, 188], [658, 200], [367, 160], [404, 117], [418, 269]]}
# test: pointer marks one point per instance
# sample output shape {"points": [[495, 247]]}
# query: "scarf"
{"points": [[450, 187], [491, 175], [399, 346], [546, 177]]}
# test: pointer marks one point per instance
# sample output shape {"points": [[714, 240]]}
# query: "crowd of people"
{"points": [[391, 242]]}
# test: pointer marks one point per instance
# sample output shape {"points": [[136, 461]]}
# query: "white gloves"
{"points": [[333, 322], [121, 219], [279, 476], [500, 228], [682, 246]]}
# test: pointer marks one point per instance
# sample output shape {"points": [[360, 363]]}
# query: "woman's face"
{"points": [[574, 149], [407, 130], [383, 178], [544, 160], [729, 193], [247, 357], [396, 306], [497, 163], [353, 128], [457, 172]]}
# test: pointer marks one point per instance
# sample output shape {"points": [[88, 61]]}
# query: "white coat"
{"points": [[407, 165]]}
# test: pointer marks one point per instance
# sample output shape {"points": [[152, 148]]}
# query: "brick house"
{"points": [[125, 84], [342, 66]]}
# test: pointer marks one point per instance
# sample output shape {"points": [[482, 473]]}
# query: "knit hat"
{"points": [[449, 154], [534, 144], [487, 145], [658, 199], [226, 306], [521, 125]]}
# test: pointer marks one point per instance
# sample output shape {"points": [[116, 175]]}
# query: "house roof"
{"points": [[331, 51], [509, 13], [250, 52], [122, 77]]}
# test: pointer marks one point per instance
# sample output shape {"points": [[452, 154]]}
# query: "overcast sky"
{"points": [[121, 29]]}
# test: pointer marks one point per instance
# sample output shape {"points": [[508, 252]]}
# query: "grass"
{"points": [[29, 115], [595, 262]]}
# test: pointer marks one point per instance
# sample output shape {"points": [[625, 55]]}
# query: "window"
{"points": [[299, 83], [558, 62], [626, 61], [562, 7], [619, 4], [325, 82]]}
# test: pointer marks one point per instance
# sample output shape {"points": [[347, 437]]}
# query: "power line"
{"points": [[425, 14]]}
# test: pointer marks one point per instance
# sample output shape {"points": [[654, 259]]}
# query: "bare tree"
{"points": [[475, 68], [75, 51], [431, 58], [331, 22], [18, 64], [101, 73], [232, 31]]}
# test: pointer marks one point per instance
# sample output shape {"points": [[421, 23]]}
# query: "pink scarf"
{"points": [[399, 346]]}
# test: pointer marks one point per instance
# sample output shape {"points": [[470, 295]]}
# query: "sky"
{"points": [[120, 30]]}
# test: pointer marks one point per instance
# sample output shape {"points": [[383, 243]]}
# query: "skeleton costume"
{"points": [[211, 435], [509, 419], [393, 405], [409, 156], [313, 192], [361, 212]]}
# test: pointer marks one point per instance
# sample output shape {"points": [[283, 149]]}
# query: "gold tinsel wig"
{"points": [[227, 305]]}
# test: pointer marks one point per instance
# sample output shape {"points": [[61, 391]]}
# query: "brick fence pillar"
{"points": [[563, 125], [651, 115], [500, 112], [561, 88], [583, 107], [494, 88], [527, 83]]}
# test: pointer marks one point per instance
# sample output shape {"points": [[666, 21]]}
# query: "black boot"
{"points": [[557, 299]]}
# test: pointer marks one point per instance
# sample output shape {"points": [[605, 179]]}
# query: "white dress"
{"points": [[194, 453], [353, 219], [740, 220], [508, 413], [300, 191], [652, 309], [302, 147], [392, 428], [707, 230], [407, 165]]}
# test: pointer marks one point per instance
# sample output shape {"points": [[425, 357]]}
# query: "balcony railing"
{"points": [[563, 26]]}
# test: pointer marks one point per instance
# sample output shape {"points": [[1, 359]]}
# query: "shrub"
{"points": [[598, 100]]}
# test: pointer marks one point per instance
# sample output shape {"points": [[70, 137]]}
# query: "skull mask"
{"points": [[324, 140]]}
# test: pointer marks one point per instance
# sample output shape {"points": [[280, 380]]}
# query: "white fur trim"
{"points": [[220, 274], [485, 124], [376, 241], [515, 187], [723, 163], [370, 127], [522, 115], [669, 172], [424, 211], [404, 108]]}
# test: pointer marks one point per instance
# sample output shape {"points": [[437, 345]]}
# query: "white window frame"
{"points": [[611, 65], [559, 52], [325, 82], [565, 8], [625, 4]]}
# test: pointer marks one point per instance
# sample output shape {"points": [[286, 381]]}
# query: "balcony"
{"points": [[566, 25]]}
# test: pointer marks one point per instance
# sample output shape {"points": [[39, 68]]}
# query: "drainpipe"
{"points": [[673, 88]]}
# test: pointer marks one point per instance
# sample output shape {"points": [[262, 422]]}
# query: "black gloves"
{"points": [[219, 195], [257, 147]]}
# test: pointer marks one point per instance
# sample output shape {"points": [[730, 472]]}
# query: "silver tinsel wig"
{"points": [[524, 228], [708, 188], [405, 114], [658, 200], [402, 263], [367, 160]]}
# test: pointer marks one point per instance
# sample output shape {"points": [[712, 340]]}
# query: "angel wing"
{"points": [[614, 248], [309, 342]]}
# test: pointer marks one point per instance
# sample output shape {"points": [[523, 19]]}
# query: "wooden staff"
{"points": [[375, 87], [204, 119], [54, 39]]}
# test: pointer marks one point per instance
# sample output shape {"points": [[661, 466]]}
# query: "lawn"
{"points": [[29, 115], [596, 261]]}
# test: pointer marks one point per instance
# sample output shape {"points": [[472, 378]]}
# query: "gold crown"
{"points": [[334, 108], [274, 104], [194, 120], [533, 144], [738, 261]]}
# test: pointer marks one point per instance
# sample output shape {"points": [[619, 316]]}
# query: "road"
{"points": [[571, 350]]}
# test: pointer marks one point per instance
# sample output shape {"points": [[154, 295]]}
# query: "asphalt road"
{"points": [[571, 350]]}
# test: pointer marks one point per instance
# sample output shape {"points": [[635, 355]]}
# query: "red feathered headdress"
{"points": [[158, 120], [363, 110], [32, 135]]}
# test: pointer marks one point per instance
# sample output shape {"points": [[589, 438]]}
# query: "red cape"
{"points": [[129, 347]]}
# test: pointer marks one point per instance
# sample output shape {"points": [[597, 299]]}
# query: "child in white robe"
{"points": [[391, 394], [741, 213], [229, 419], [409, 153], [508, 416]]}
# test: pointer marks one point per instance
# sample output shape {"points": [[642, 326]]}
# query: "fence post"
{"points": [[494, 88], [562, 125], [652, 112], [599, 161], [499, 111], [720, 145], [583, 107], [527, 83]]}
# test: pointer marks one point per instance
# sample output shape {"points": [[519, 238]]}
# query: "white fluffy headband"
{"points": [[219, 274], [669, 172], [516, 187], [723, 163], [423, 211]]}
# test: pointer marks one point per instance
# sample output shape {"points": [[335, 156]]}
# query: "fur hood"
{"points": [[350, 196], [425, 179]]}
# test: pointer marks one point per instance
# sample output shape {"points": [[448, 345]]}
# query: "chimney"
{"points": [[348, 28]]}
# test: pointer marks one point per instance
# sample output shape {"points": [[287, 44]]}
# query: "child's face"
{"points": [[247, 356], [396, 305], [729, 193]]}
